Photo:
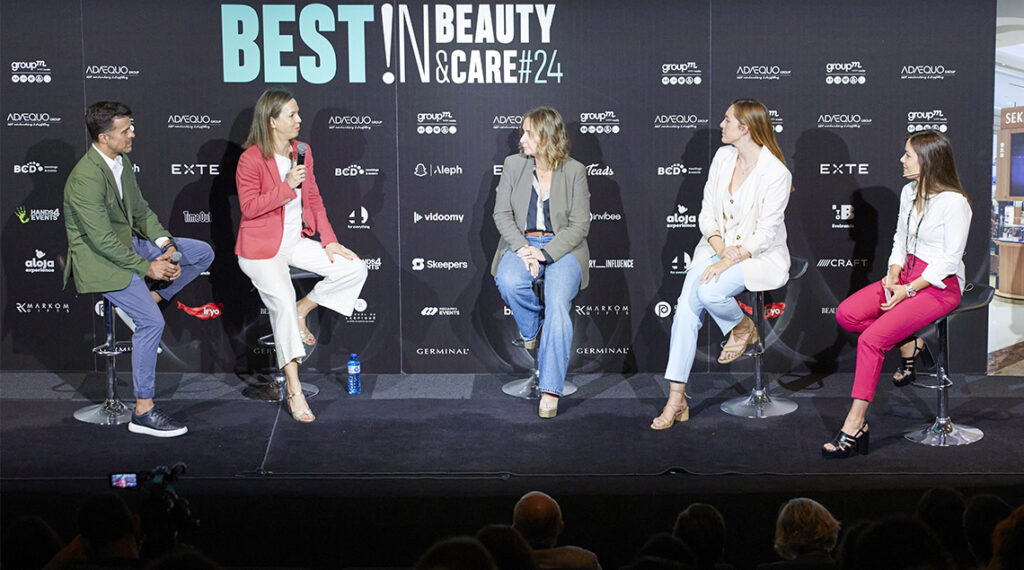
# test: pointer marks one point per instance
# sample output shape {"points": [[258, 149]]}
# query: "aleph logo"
{"points": [[688, 73], [110, 72], [844, 216], [356, 170], [602, 123], [935, 120], [507, 122], [34, 168], [598, 170], [197, 169], [441, 123], [680, 218], [679, 121], [422, 170], [926, 72], [192, 122], [352, 123], [762, 72], [830, 168], [842, 121], [31, 72], [39, 265], [358, 218], [32, 120], [846, 73]]}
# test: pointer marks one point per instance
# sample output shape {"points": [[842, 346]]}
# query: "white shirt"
{"points": [[293, 209], [937, 236], [116, 166]]}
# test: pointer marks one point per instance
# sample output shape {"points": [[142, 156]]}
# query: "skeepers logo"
{"points": [[419, 264]]}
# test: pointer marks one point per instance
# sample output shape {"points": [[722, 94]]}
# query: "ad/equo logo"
{"points": [[110, 72], [762, 72], [32, 119], [927, 71]]}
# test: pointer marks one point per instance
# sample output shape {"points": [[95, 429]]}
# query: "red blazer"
{"points": [[262, 196]]}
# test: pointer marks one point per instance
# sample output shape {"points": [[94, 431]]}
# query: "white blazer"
{"points": [[761, 225]]}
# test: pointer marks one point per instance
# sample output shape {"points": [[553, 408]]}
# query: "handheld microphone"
{"points": [[176, 257], [302, 148]]}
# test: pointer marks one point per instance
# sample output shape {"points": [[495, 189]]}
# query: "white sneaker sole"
{"points": [[136, 428]]}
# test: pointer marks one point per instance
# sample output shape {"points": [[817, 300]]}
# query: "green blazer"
{"points": [[100, 226]]}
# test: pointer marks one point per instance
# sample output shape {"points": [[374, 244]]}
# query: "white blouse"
{"points": [[937, 236], [293, 209]]}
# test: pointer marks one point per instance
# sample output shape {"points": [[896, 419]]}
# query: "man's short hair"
{"points": [[99, 117]]}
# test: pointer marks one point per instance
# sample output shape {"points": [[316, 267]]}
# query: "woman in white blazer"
{"points": [[742, 220]]}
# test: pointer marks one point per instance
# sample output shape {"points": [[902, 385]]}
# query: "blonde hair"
{"points": [[268, 105], [804, 525], [754, 115], [553, 146]]}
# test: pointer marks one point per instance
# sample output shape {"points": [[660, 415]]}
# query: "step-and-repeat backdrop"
{"points": [[410, 109]]}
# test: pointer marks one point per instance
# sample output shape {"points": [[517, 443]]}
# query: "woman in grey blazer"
{"points": [[542, 211]]}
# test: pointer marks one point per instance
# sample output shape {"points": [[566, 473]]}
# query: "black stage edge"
{"points": [[382, 475]]}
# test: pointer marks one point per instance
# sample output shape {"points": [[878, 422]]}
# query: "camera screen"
{"points": [[123, 480]]}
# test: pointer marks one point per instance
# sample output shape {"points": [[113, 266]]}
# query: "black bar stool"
{"points": [[529, 388], [758, 404], [943, 432], [112, 411], [275, 390]]}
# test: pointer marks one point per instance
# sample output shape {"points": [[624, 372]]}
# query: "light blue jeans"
{"points": [[561, 284], [717, 298]]}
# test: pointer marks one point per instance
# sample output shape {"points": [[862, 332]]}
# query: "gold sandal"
{"points": [[737, 347], [307, 337], [681, 414], [304, 416]]}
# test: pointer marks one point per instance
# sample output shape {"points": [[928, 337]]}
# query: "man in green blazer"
{"points": [[115, 241]]}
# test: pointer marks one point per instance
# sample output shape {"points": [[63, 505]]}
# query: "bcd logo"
{"points": [[28, 168]]}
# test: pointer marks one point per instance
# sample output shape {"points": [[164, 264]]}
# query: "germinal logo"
{"points": [[360, 314], [679, 265], [602, 123], [358, 219], [41, 307], [372, 263], [688, 73], [778, 123], [762, 72], [842, 121], [440, 312], [854, 263], [37, 215], [437, 217], [924, 120], [507, 122], [31, 72], [197, 169], [679, 121], [596, 310], [423, 169], [442, 351], [39, 264], [605, 217], [843, 216], [612, 264], [830, 168], [419, 264], [110, 72], [680, 218], [192, 122], [926, 72], [846, 73], [600, 350], [32, 120], [598, 170], [356, 170], [352, 123], [441, 123], [196, 217], [35, 168]]}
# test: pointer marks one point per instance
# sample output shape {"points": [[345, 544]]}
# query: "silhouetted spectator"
{"points": [[847, 545], [183, 558], [508, 548], [805, 534], [655, 563], [667, 547], [981, 515], [899, 543], [106, 536], [28, 543], [456, 553], [1008, 542], [702, 528], [942, 509], [539, 519]]}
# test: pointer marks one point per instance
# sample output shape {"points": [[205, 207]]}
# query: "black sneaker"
{"points": [[157, 423]]}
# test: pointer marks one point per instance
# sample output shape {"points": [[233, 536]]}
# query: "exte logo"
{"points": [[830, 168], [182, 169]]}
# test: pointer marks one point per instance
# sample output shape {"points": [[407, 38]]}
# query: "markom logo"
{"points": [[423, 169], [356, 170], [41, 307], [612, 264], [32, 120], [605, 217], [662, 309], [598, 170], [935, 120], [832, 168], [352, 123], [762, 72], [191, 121], [358, 219], [197, 169], [39, 264], [679, 121], [595, 310], [938, 71], [419, 264], [845, 73], [37, 215], [440, 312], [688, 73], [679, 266], [507, 122], [842, 121], [31, 72], [843, 216], [34, 167], [680, 218], [437, 217], [114, 72], [838, 263], [441, 123], [601, 123]]}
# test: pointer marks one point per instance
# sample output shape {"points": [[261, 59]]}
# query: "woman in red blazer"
{"points": [[281, 211]]}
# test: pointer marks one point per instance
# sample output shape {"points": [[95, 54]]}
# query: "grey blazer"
{"points": [[569, 205]]}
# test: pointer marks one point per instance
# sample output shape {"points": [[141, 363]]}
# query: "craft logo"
{"points": [[843, 121], [601, 310], [38, 307], [197, 169], [679, 121], [358, 219], [35, 168], [423, 169], [837, 263], [437, 217], [843, 216], [441, 123], [37, 215], [778, 123], [598, 170], [762, 72], [680, 218], [372, 263], [602, 350], [440, 312], [612, 264], [681, 74], [192, 122], [38, 264], [32, 120], [442, 351], [352, 123], [605, 217], [419, 264], [680, 266], [678, 169], [110, 72], [926, 72], [831, 168], [360, 314], [602, 123], [196, 217], [771, 310], [847, 73], [356, 170], [507, 122], [935, 120], [31, 72], [828, 310]]}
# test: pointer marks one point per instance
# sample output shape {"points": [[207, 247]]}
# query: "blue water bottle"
{"points": [[355, 383]]}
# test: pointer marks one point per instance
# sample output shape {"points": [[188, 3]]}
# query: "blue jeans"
{"points": [[136, 301], [717, 298], [561, 284]]}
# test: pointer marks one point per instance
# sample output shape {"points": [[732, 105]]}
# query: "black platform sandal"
{"points": [[845, 444], [907, 371]]}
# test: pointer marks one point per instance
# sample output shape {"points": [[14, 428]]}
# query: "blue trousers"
{"points": [[716, 298], [136, 301], [561, 284]]}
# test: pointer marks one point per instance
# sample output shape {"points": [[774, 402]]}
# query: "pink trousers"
{"points": [[882, 330]]}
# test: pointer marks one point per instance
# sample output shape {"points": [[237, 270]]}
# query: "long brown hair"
{"points": [[554, 143], [754, 115], [938, 169], [268, 105]]}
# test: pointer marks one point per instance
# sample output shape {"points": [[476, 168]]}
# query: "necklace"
{"points": [[917, 230]]}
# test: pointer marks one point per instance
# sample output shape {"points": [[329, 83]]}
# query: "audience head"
{"points": [[899, 543], [981, 515], [457, 553], [804, 526], [36, 544], [668, 547], [702, 528], [539, 519], [847, 545], [508, 548], [104, 519], [1008, 542], [183, 558]]}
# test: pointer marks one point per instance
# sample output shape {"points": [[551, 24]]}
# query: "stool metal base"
{"points": [[758, 404], [109, 413], [944, 433], [275, 390], [529, 388]]}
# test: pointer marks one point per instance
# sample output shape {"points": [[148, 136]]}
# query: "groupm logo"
{"points": [[687, 73], [934, 119], [438, 123], [601, 123], [31, 72], [845, 73]]}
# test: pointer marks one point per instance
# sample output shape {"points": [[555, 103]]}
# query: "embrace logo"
{"points": [[854, 263], [34, 168], [507, 122], [352, 123], [926, 72], [662, 309], [680, 218], [441, 123], [679, 267], [679, 121], [688, 73], [110, 72], [422, 170], [32, 120], [356, 170], [437, 217], [597, 170], [31, 72], [934, 120], [831, 168], [357, 219], [842, 121], [847, 73], [191, 122], [762, 72], [39, 265], [36, 215], [183, 169], [602, 123], [844, 216]]}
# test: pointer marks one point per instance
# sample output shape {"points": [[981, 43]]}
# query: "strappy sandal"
{"points": [[677, 414], [907, 371], [307, 337], [738, 347], [304, 416], [845, 445]]}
